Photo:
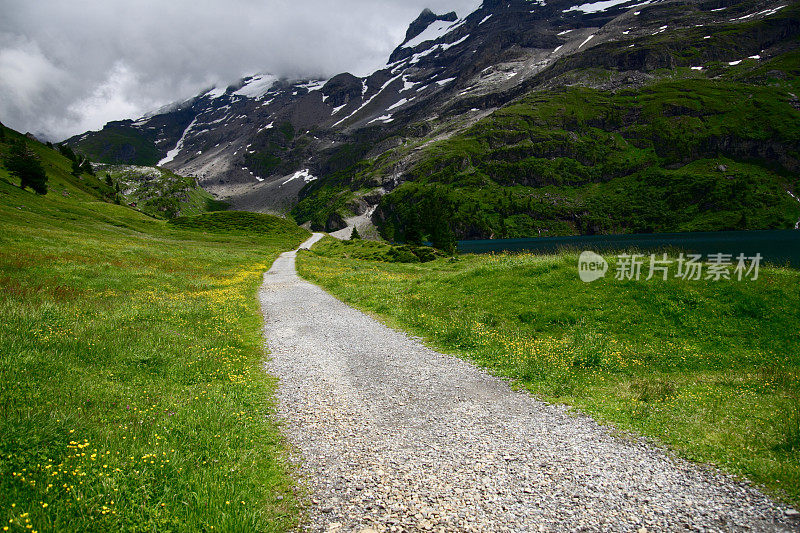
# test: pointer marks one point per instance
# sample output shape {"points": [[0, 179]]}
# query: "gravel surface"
{"points": [[392, 436]]}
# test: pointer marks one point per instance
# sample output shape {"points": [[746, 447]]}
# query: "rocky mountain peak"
{"points": [[425, 19], [341, 89]]}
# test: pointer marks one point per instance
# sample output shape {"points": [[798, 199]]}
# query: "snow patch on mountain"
{"points": [[451, 45], [216, 92], [596, 7], [385, 119], [416, 57], [172, 154], [365, 104], [305, 175], [766, 13], [314, 85], [257, 86], [435, 31], [399, 103]]}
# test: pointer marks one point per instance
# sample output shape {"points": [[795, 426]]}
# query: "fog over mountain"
{"points": [[70, 67]]}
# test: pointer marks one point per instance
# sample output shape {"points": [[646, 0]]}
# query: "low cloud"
{"points": [[66, 67]]}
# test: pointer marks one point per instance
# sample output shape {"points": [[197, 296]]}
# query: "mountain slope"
{"points": [[686, 155], [338, 146]]}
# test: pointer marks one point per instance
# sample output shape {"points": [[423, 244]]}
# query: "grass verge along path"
{"points": [[711, 369]]}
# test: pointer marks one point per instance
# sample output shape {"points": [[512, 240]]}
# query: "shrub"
{"points": [[402, 254]]}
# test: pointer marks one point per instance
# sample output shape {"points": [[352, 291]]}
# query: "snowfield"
{"points": [[257, 86]]}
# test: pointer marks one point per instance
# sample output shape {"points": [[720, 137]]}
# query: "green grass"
{"points": [[160, 192], [236, 222], [132, 391], [709, 369], [377, 251]]}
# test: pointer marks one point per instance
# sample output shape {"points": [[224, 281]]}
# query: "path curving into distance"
{"points": [[393, 436]]}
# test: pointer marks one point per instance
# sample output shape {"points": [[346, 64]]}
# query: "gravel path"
{"points": [[392, 436]]}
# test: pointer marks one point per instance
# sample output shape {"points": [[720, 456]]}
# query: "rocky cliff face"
{"points": [[265, 143]]}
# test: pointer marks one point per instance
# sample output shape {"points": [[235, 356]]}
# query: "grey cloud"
{"points": [[66, 67]]}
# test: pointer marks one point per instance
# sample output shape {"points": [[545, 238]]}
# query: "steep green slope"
{"points": [[61, 181], [692, 154], [118, 143], [132, 392]]}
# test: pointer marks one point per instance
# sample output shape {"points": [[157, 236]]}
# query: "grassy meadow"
{"points": [[132, 392], [711, 369]]}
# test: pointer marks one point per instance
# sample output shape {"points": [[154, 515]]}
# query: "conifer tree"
{"points": [[86, 166], [355, 236], [24, 164], [67, 152], [413, 229], [442, 237]]}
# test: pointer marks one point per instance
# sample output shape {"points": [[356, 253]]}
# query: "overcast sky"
{"points": [[71, 66]]}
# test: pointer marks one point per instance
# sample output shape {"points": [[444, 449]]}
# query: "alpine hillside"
{"points": [[522, 118]]}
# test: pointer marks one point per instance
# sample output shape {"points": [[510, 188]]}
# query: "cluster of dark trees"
{"points": [[80, 164], [22, 163]]}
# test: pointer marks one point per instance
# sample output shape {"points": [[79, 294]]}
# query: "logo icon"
{"points": [[592, 267]]}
